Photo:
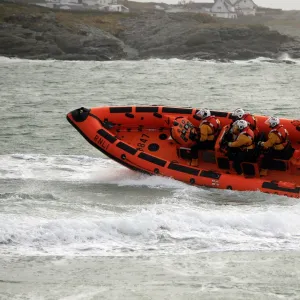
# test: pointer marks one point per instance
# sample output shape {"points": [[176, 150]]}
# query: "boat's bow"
{"points": [[78, 115]]}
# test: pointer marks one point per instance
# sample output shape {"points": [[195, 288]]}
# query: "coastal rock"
{"points": [[161, 35], [41, 36], [292, 48]]}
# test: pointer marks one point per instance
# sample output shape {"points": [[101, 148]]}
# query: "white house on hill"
{"points": [[231, 9], [245, 7], [99, 2], [223, 9], [115, 8]]}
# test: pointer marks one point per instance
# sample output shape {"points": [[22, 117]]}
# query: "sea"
{"points": [[76, 225]]}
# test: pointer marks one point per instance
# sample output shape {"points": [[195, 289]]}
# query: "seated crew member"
{"points": [[239, 114], [278, 144], [209, 130], [243, 145]]}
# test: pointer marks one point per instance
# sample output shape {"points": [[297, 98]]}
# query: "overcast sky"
{"points": [[284, 4]]}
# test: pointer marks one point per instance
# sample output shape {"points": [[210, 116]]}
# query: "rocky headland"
{"points": [[38, 33]]}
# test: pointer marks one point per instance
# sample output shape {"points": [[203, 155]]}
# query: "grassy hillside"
{"points": [[17, 13], [9, 9]]}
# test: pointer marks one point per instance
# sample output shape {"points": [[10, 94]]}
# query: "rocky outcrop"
{"points": [[165, 36], [43, 35]]}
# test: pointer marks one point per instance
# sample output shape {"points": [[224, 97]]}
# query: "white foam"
{"points": [[55, 167], [158, 61], [159, 228], [286, 56], [166, 61], [74, 168], [4, 59], [13, 60], [151, 181], [262, 60]]}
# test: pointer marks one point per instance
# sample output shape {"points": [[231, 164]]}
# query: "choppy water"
{"points": [[76, 225]]}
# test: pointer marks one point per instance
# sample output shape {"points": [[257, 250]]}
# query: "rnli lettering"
{"points": [[101, 142], [142, 143]]}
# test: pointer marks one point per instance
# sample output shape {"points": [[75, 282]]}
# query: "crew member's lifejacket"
{"points": [[248, 132], [183, 132], [251, 121], [214, 124], [283, 135]]}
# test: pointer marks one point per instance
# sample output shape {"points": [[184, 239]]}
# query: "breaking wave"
{"points": [[183, 219], [283, 58], [155, 230]]}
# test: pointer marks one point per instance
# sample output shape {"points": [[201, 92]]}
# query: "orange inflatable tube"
{"points": [[140, 138]]}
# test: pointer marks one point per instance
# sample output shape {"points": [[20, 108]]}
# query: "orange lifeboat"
{"points": [[157, 140]]}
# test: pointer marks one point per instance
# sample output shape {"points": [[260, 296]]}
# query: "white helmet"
{"points": [[273, 121], [203, 113], [240, 124], [239, 112]]}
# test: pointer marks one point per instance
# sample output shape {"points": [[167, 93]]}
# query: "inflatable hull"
{"points": [[139, 138]]}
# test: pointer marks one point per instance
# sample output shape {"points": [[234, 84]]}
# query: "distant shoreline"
{"points": [[33, 32]]}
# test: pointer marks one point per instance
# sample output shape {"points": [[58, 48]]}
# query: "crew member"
{"points": [[209, 129], [278, 145], [239, 114], [243, 145]]}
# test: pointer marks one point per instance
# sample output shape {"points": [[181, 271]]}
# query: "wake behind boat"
{"points": [[140, 138]]}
